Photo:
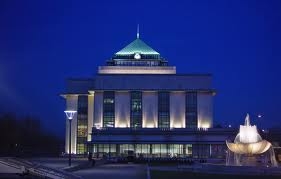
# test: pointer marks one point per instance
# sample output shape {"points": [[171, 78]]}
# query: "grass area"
{"points": [[155, 174]]}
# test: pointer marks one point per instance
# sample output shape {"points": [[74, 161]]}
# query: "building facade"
{"points": [[138, 104]]}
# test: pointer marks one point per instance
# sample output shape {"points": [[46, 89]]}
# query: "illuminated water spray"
{"points": [[247, 145]]}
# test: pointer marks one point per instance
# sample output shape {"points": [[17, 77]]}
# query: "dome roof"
{"points": [[137, 46]]}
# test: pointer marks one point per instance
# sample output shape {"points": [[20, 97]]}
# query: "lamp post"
{"points": [[69, 114]]}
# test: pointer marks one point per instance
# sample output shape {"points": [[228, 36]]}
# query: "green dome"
{"points": [[137, 46]]}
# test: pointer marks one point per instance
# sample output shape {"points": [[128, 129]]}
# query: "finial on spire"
{"points": [[138, 31]]}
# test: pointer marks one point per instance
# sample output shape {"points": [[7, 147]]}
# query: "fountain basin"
{"points": [[249, 148]]}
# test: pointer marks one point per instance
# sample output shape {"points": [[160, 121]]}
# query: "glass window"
{"points": [[218, 150], [164, 150], [201, 150], [108, 109], [164, 109], [145, 149], [175, 150], [153, 150], [188, 150], [191, 110], [127, 149], [156, 150], [82, 124], [136, 109]]}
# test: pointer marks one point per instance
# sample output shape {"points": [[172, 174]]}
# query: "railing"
{"points": [[47, 172], [39, 170], [10, 165]]}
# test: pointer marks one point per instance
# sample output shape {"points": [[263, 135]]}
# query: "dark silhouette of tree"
{"points": [[25, 137]]}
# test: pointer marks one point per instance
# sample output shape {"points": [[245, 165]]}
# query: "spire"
{"points": [[138, 32]]}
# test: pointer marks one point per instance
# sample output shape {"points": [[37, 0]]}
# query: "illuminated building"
{"points": [[137, 102]]}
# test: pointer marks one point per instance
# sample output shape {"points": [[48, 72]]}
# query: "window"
{"points": [[108, 109], [188, 150], [82, 124], [201, 150], [136, 109], [191, 110], [175, 150], [163, 109], [218, 150]]}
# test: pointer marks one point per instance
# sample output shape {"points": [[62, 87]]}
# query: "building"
{"points": [[138, 104]]}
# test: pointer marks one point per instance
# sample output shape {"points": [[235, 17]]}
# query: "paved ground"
{"points": [[59, 163], [7, 169], [114, 171]]}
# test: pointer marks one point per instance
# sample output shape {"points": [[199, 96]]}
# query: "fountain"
{"points": [[249, 149]]}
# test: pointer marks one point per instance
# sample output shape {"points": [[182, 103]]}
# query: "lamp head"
{"points": [[69, 114]]}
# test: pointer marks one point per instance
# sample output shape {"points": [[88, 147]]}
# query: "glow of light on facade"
{"points": [[150, 126], [91, 97], [176, 125], [203, 125], [72, 152], [92, 93], [121, 125], [136, 70]]}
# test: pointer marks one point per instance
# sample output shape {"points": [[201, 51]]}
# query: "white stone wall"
{"points": [[136, 70], [98, 108], [205, 110], [71, 104], [150, 109], [122, 109], [177, 109], [90, 115]]}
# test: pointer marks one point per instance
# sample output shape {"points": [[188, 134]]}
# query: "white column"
{"points": [[71, 104], [122, 109], [150, 109], [98, 108], [205, 110], [177, 109], [90, 114]]}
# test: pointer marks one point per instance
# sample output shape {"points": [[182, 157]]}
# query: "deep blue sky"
{"points": [[42, 43]]}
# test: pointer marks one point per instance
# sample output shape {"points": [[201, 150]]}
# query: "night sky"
{"points": [[42, 43]]}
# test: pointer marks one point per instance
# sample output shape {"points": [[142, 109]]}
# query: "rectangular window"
{"points": [[191, 110], [188, 150], [152, 150], [82, 124], [108, 109], [175, 150], [127, 150], [201, 151], [164, 109], [156, 150], [136, 109], [218, 150]]}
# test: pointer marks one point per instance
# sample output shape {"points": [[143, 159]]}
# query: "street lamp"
{"points": [[69, 114]]}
